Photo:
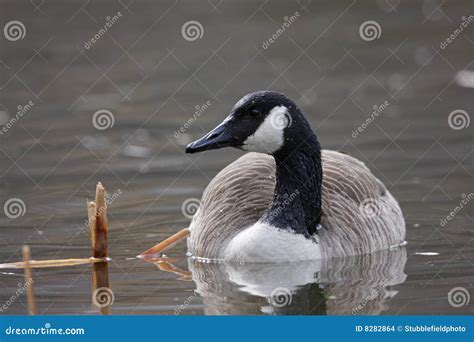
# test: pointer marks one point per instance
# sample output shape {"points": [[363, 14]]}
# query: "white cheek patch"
{"points": [[268, 138]]}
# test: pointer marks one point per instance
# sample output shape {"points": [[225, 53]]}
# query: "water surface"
{"points": [[151, 79]]}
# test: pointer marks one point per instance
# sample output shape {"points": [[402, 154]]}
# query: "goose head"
{"points": [[264, 121]]}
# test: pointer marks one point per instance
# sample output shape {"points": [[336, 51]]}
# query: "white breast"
{"points": [[264, 243]]}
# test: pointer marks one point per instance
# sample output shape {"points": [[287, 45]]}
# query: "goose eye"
{"points": [[255, 112]]}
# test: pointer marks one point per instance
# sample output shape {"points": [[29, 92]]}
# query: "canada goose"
{"points": [[290, 201]]}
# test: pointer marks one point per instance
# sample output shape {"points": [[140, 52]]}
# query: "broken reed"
{"points": [[98, 228], [165, 244], [30, 290], [98, 231], [98, 224]]}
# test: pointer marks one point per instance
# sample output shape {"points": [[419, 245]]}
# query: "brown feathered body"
{"points": [[359, 215]]}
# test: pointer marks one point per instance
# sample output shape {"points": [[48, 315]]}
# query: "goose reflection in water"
{"points": [[339, 286]]}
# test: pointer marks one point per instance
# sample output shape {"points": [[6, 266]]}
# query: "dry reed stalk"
{"points": [[167, 243], [91, 219], [98, 230], [98, 223], [100, 281], [30, 290], [51, 263]]}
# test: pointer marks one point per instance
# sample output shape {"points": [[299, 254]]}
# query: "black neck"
{"points": [[297, 199]]}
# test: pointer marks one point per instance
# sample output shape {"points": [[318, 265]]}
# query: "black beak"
{"points": [[219, 137]]}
